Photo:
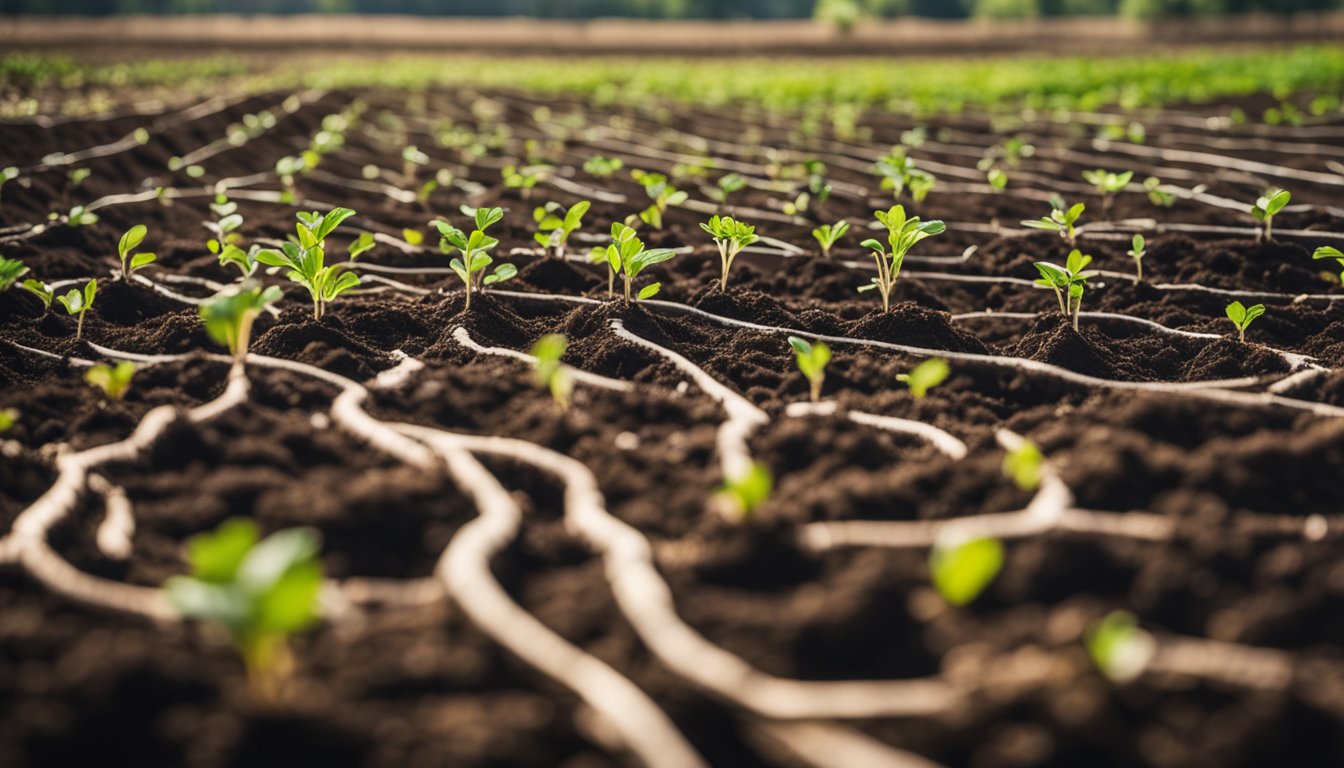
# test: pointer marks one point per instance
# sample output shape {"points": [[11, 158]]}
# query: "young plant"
{"points": [[601, 166], [260, 591], [130, 262], [661, 193], [1242, 317], [962, 569], [812, 361], [41, 290], [740, 496], [475, 251], [727, 185], [925, 376], [1136, 252], [551, 373], [523, 178], [1119, 648], [902, 234], [827, 235], [731, 236], [225, 226], [899, 174], [1330, 252], [306, 257], [1266, 207], [77, 302], [80, 216], [1068, 282], [556, 225], [8, 416], [627, 257], [113, 380], [10, 272], [229, 315], [1156, 194], [997, 179], [1062, 220], [1107, 184], [1023, 465]]}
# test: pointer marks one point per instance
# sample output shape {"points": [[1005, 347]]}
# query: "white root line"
{"points": [[118, 526], [943, 441], [463, 337], [822, 744], [1230, 664], [743, 417]]}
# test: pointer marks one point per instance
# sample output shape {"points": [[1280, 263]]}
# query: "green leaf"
{"points": [[1023, 465], [1328, 252], [8, 416], [1119, 648], [926, 376], [131, 240], [749, 490], [488, 216], [39, 289], [141, 259], [290, 604], [273, 557], [361, 245], [962, 571], [328, 223], [216, 556], [502, 272], [649, 291], [412, 236], [1236, 312]]}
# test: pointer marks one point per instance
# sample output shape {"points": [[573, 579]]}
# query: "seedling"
{"points": [[77, 302], [740, 496], [627, 257], [1156, 194], [827, 235], [1062, 220], [260, 592], [602, 166], [1242, 317], [78, 176], [961, 570], [475, 251], [1330, 252], [130, 262], [1107, 184], [225, 227], [306, 258], [556, 225], [1136, 252], [10, 271], [818, 190], [1266, 207], [1023, 465], [731, 236], [661, 193], [229, 315], [1119, 648], [79, 216], [727, 185], [1068, 282], [552, 374], [41, 290], [8, 416], [899, 174], [925, 376], [812, 361], [361, 245], [523, 179], [902, 234], [113, 380], [997, 179], [8, 174]]}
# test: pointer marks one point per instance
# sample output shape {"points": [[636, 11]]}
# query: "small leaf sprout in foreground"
{"points": [[899, 174], [627, 257], [226, 238], [902, 234], [812, 357], [130, 262], [1136, 252], [1242, 317], [80, 216], [1156, 194], [10, 271], [827, 235], [259, 591], [1068, 282], [727, 185], [961, 570], [475, 251], [229, 315], [661, 193], [552, 374], [731, 236], [1330, 252], [41, 290], [1266, 207], [740, 496], [557, 224], [1119, 648], [1107, 184], [925, 376], [77, 302], [306, 259], [113, 380], [1062, 220], [1023, 465]]}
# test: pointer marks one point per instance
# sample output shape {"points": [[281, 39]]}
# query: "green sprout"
{"points": [[899, 174], [1242, 317], [603, 167], [902, 234], [287, 168], [229, 315], [962, 570], [812, 360], [1119, 648], [925, 376], [661, 193], [130, 262], [113, 380], [77, 302], [8, 417], [260, 591], [1156, 194], [727, 185], [523, 178], [557, 224], [1136, 252], [997, 179], [41, 290], [1107, 184], [1023, 465], [551, 373], [475, 251], [743, 494], [818, 189], [10, 271], [80, 216], [627, 257], [730, 236], [78, 176], [8, 174], [1062, 220], [306, 258], [1266, 207], [225, 226], [1068, 282], [1330, 252], [827, 235]]}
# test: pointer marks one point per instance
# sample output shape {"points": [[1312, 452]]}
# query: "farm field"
{"points": [[1108, 535]]}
